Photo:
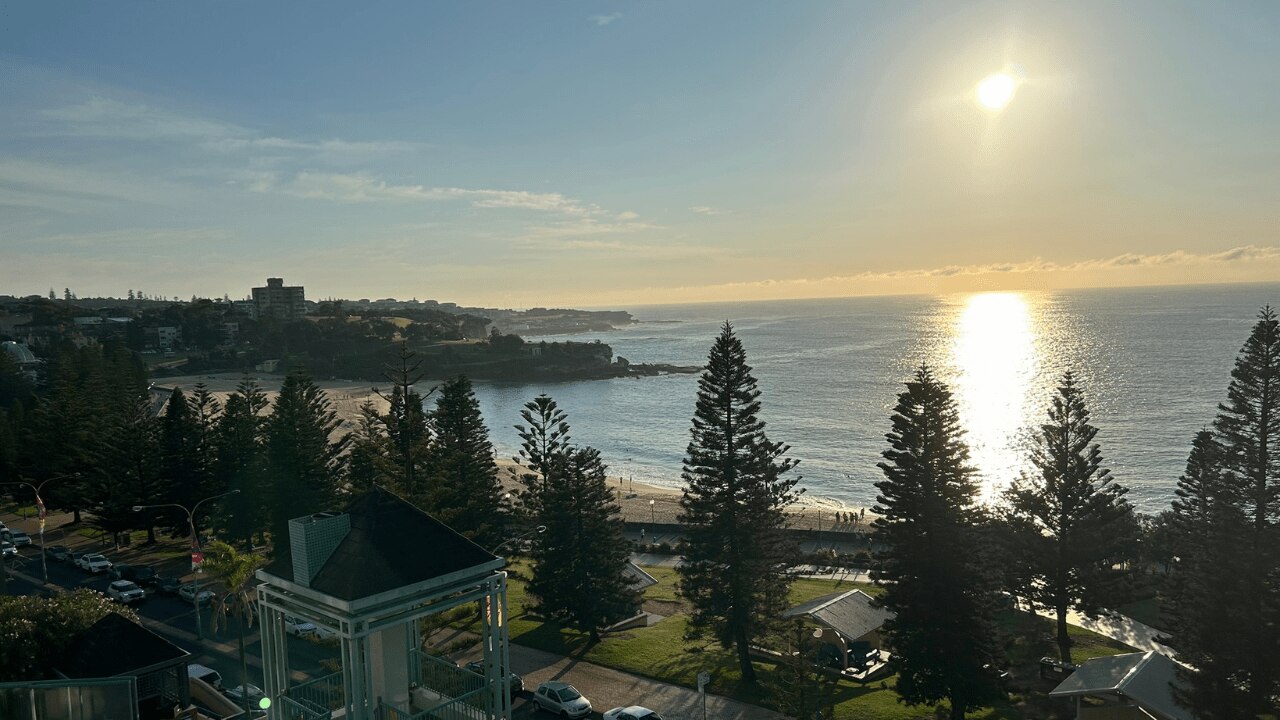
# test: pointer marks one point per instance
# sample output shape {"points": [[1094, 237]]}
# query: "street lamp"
{"points": [[195, 545], [40, 511], [653, 518]]}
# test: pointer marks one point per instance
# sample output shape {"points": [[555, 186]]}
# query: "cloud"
{"points": [[628, 215], [1244, 257], [363, 188], [602, 20], [71, 189], [704, 210], [106, 117]]}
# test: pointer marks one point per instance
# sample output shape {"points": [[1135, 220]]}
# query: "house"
{"points": [[848, 630], [367, 575], [116, 647], [1132, 686]]}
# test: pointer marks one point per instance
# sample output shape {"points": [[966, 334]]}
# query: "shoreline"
{"points": [[641, 501]]}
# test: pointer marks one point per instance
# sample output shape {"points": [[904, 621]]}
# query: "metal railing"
{"points": [[314, 699]]}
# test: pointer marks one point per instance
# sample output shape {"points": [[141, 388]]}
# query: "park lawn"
{"points": [[661, 652]]}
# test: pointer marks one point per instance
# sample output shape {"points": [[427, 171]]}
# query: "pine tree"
{"points": [[1230, 505], [1202, 597], [239, 462], [735, 572], [579, 561], [406, 426], [465, 492], [367, 463], [305, 469], [935, 581], [1076, 515], [179, 439]]}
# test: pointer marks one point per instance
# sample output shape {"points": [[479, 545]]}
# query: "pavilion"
{"points": [[370, 574]]}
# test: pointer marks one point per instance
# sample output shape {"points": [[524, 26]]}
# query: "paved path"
{"points": [[1117, 627], [607, 688]]}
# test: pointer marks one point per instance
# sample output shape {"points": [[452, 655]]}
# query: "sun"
{"points": [[995, 91]]}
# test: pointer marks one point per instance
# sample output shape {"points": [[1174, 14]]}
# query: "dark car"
{"points": [[140, 574], [59, 553], [167, 585], [517, 682]]}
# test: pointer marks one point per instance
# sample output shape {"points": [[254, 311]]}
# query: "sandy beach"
{"points": [[640, 501]]}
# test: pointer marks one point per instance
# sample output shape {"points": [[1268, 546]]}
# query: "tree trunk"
{"points": [[958, 708], [1064, 640], [244, 670], [75, 516], [744, 657]]}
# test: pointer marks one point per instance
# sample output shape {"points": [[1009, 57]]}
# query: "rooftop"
{"points": [[391, 544], [851, 613], [1146, 678], [115, 646]]}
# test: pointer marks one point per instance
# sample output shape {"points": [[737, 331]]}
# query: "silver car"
{"points": [[562, 699]]}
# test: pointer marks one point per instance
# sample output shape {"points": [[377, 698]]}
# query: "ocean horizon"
{"points": [[1154, 363]]}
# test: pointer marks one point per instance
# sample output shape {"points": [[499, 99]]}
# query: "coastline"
{"points": [[641, 501]]}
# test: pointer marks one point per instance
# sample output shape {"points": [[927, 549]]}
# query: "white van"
{"points": [[207, 674]]}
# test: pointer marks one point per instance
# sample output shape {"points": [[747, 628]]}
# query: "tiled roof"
{"points": [[850, 613], [392, 544], [115, 646]]}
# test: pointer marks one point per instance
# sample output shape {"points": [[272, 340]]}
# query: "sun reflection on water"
{"points": [[996, 362]]}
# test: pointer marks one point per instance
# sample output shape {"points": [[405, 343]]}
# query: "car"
{"points": [[58, 553], [188, 592], [94, 563], [167, 584], [125, 591], [562, 699], [632, 712], [299, 627], [517, 682], [7, 549], [140, 574], [19, 538], [252, 692], [204, 673]]}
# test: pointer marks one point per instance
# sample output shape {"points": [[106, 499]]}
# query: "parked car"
{"points": [[299, 627], [632, 712], [19, 538], [7, 549], [94, 563], [140, 574], [125, 591], [240, 692], [517, 682], [188, 592], [167, 584], [58, 553], [562, 699], [197, 671]]}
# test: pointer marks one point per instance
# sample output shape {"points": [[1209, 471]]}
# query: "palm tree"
{"points": [[234, 570]]}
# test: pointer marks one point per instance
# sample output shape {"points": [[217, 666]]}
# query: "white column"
{"points": [[389, 664]]}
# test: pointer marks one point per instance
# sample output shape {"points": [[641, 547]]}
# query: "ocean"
{"points": [[1154, 363]]}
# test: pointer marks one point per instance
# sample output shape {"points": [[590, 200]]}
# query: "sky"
{"points": [[606, 154]]}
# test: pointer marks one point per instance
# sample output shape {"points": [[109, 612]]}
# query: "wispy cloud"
{"points": [[363, 188], [602, 20], [63, 188], [704, 210], [1245, 256], [100, 116]]}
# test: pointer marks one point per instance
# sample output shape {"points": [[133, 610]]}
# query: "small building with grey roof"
{"points": [[1132, 686]]}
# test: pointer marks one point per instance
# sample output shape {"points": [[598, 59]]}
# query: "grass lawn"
{"points": [[662, 652]]}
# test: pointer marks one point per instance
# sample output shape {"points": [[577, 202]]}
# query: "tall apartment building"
{"points": [[280, 302]]}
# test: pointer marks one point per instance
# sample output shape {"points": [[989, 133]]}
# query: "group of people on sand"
{"points": [[851, 516]]}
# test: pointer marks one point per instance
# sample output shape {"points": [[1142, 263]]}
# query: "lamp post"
{"points": [[40, 512], [195, 545], [653, 517]]}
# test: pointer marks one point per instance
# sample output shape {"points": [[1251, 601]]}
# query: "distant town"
{"points": [[276, 328]]}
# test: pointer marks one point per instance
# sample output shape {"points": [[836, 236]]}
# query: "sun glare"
{"points": [[995, 91], [994, 351]]}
